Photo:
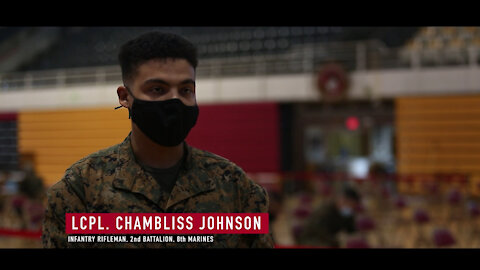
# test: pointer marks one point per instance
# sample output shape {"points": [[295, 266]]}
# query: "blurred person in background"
{"points": [[32, 190], [12, 200], [153, 170], [23, 199], [337, 215]]}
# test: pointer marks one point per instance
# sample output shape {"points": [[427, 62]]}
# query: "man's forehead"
{"points": [[168, 64], [172, 71]]}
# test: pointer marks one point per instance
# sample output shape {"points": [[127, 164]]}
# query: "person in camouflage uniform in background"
{"points": [[153, 170], [323, 226]]}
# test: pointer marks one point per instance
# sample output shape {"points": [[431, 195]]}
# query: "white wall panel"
{"points": [[289, 87]]}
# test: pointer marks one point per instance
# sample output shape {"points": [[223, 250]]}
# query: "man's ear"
{"points": [[123, 96]]}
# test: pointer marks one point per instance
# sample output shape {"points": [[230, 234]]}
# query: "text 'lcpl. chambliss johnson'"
{"points": [[167, 223]]}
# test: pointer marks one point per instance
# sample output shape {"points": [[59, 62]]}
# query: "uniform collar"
{"points": [[192, 177]]}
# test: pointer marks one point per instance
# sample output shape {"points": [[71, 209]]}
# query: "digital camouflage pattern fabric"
{"points": [[111, 181]]}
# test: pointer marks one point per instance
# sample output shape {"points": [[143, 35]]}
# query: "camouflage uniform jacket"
{"points": [[111, 181]]}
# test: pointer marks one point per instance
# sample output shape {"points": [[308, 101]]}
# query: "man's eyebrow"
{"points": [[187, 81], [156, 80]]}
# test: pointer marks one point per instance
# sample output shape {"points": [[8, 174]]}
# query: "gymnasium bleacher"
{"points": [[97, 46]]}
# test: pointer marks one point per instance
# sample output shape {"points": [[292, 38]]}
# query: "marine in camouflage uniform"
{"points": [[158, 73], [111, 180], [323, 226]]}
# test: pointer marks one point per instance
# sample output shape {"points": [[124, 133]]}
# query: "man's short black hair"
{"points": [[154, 45]]}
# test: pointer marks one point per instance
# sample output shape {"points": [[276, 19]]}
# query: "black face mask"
{"points": [[165, 122]]}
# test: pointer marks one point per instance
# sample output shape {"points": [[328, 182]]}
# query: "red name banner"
{"points": [[168, 223]]}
